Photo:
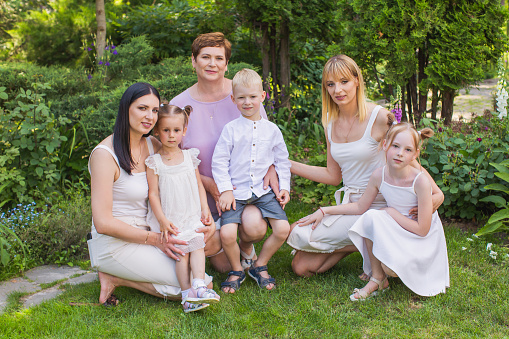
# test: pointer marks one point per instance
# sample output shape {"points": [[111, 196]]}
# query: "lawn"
{"points": [[476, 305]]}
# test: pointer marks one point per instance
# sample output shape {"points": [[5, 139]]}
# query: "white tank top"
{"points": [[358, 159], [130, 192]]}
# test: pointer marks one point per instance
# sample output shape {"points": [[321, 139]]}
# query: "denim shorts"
{"points": [[267, 204]]}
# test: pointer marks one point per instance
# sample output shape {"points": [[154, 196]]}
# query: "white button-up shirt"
{"points": [[243, 154]]}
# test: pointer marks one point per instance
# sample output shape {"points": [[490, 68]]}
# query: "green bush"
{"points": [[130, 57], [458, 159]]}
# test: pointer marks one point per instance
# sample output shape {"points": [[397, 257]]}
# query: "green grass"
{"points": [[476, 305]]}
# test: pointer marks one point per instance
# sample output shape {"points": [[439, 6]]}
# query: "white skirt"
{"points": [[332, 232], [420, 262], [135, 262]]}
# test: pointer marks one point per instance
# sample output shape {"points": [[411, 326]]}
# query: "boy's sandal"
{"points": [[188, 307], [364, 295], [254, 272], [234, 284], [203, 295], [247, 259]]}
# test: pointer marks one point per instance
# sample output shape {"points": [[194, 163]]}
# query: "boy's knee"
{"points": [[282, 230], [228, 235]]}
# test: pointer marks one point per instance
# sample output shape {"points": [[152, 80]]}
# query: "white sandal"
{"points": [[247, 259], [188, 307], [364, 295], [203, 295]]}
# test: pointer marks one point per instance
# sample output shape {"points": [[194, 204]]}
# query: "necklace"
{"points": [[168, 158], [347, 134], [139, 156], [201, 98]]}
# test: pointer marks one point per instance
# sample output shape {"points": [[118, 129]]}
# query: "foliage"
{"points": [[52, 34], [422, 44], [130, 57], [458, 160], [7, 236], [30, 140], [50, 234], [499, 221]]}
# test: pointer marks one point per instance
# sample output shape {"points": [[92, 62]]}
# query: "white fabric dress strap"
{"points": [[150, 146], [329, 127], [372, 119], [415, 179], [105, 148]]}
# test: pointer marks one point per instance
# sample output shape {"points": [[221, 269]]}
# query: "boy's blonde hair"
{"points": [[247, 78], [338, 67]]}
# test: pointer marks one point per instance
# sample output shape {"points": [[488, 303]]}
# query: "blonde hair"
{"points": [[247, 78], [417, 136], [167, 110], [337, 67]]}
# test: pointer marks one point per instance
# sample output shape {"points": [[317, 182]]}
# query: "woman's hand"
{"points": [[168, 247], [312, 219]]}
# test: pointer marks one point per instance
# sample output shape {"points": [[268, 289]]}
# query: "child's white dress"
{"points": [[180, 199], [420, 262]]}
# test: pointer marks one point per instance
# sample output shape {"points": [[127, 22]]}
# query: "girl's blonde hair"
{"points": [[338, 67], [167, 110], [417, 136]]}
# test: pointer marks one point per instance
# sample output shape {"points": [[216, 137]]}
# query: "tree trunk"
{"points": [[447, 105], [434, 103], [266, 58], [284, 53], [100, 16], [415, 117], [273, 61], [423, 95]]}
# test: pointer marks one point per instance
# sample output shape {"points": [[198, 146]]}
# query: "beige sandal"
{"points": [[363, 295], [247, 259]]}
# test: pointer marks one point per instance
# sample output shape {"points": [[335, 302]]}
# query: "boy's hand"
{"points": [[312, 219], [167, 228], [283, 197], [227, 201]]}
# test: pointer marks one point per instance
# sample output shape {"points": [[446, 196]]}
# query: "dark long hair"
{"points": [[121, 135]]}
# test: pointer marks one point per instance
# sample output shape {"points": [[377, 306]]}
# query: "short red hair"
{"points": [[215, 39]]}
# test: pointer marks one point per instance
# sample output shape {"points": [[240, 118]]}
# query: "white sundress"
{"points": [[420, 262], [180, 198]]}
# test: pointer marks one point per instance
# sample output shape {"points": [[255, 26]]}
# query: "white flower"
{"points": [[493, 254], [475, 236], [470, 239], [463, 248], [488, 247]]}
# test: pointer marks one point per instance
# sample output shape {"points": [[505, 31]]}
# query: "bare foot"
{"points": [[107, 286]]}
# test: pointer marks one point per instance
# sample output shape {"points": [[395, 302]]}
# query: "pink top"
{"points": [[206, 123]]}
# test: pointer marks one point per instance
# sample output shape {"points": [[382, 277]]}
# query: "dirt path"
{"points": [[475, 99]]}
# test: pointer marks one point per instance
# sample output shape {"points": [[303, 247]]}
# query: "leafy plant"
{"points": [[499, 221], [6, 236]]}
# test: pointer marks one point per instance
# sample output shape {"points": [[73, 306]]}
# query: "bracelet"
{"points": [[146, 239], [321, 211]]}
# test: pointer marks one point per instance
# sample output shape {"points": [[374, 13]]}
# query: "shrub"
{"points": [[458, 159], [129, 58]]}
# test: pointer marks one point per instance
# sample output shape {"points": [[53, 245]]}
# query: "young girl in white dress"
{"points": [[178, 204], [390, 241]]}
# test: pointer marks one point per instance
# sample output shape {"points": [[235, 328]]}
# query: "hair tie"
{"points": [[162, 105], [394, 122], [419, 133]]}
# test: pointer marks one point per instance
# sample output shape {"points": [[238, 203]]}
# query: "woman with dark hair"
{"points": [[213, 108], [122, 247]]}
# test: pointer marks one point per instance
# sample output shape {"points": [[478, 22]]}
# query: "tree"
{"points": [[422, 45], [277, 22], [100, 42]]}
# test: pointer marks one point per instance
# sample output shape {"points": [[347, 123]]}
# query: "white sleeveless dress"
{"points": [[420, 262], [131, 261], [180, 198], [358, 160]]}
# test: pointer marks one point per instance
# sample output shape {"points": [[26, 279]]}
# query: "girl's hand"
{"points": [[283, 197], [167, 228], [312, 219]]}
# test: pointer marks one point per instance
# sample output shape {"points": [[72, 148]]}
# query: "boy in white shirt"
{"points": [[246, 149]]}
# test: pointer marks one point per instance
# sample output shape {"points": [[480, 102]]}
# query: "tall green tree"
{"points": [[423, 44], [277, 23]]}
